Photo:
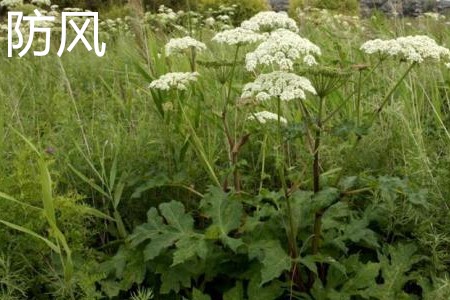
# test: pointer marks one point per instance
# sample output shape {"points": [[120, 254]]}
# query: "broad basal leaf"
{"points": [[174, 278], [236, 293], [175, 216], [188, 247], [274, 260], [395, 266], [198, 295], [226, 215], [161, 235]]}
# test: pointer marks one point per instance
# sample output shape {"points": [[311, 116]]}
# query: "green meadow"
{"points": [[249, 175]]}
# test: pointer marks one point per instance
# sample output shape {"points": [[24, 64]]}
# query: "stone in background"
{"points": [[279, 5], [404, 7], [391, 7]]}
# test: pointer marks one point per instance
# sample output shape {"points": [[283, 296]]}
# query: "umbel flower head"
{"points": [[287, 86], [268, 21], [264, 116], [412, 48], [179, 45], [238, 36], [176, 80], [282, 48]]}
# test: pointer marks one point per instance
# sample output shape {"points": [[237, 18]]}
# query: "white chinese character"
{"points": [[33, 29], [80, 32]]}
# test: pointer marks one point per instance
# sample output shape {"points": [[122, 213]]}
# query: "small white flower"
{"points": [[282, 48], [264, 116], [72, 9], [412, 48], [237, 36], [180, 44], [210, 22], [167, 106], [176, 80], [223, 18], [11, 3], [268, 21], [41, 2], [287, 86], [309, 60], [434, 16], [447, 65]]}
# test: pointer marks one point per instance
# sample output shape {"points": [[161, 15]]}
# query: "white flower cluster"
{"points": [[268, 21], [166, 13], [238, 36], [41, 2], [287, 86], [180, 44], [282, 48], [115, 26], [73, 9], [434, 16], [210, 22], [176, 80], [264, 116], [11, 3], [412, 48]]}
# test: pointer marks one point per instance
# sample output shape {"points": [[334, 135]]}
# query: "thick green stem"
{"points": [[193, 59], [233, 152], [263, 162], [291, 231], [316, 178], [358, 100], [230, 81]]}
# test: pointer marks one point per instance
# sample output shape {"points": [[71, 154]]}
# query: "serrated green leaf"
{"points": [[275, 261], [302, 209], [325, 198], [364, 278], [348, 183], [110, 288], [269, 291], [134, 272], [149, 230], [236, 293], [175, 216], [226, 216], [174, 278], [234, 244], [189, 247], [395, 264], [198, 295], [159, 243], [355, 230], [310, 261], [179, 226]]}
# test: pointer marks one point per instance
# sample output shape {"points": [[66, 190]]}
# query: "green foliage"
{"points": [[134, 186], [243, 9], [12, 281], [344, 6], [172, 245]]}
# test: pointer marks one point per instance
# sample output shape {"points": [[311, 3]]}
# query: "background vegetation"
{"points": [[91, 164]]}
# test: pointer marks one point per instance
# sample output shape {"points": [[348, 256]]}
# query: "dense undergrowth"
{"points": [[114, 190]]}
